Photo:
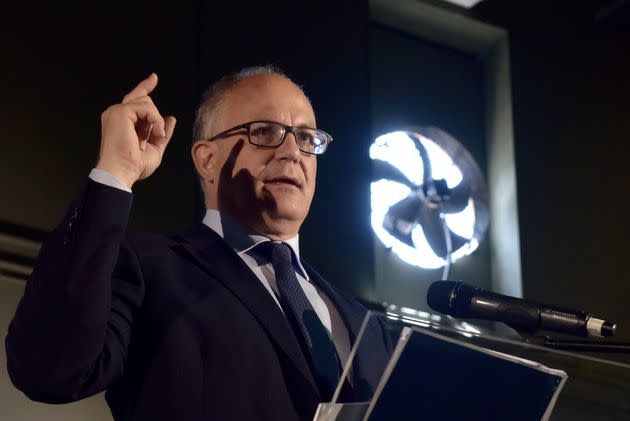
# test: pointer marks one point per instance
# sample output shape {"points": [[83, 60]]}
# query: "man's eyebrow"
{"points": [[306, 126]]}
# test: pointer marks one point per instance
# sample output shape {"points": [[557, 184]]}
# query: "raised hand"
{"points": [[134, 135]]}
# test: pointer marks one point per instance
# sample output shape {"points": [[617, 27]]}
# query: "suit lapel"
{"points": [[351, 315], [366, 374], [211, 252]]}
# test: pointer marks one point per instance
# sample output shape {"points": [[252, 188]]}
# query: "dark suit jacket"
{"points": [[174, 328]]}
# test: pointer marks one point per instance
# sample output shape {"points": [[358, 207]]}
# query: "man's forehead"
{"points": [[268, 94]]}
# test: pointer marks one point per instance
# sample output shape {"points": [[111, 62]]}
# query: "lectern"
{"points": [[441, 373]]}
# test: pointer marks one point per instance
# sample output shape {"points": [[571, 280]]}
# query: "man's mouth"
{"points": [[284, 180]]}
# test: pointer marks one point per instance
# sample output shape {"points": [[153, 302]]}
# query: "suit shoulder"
{"points": [[150, 244]]}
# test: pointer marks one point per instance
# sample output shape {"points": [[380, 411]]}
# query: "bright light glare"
{"points": [[470, 328], [428, 258], [464, 3], [400, 151], [408, 310], [465, 250], [393, 316], [442, 165], [416, 322], [462, 223], [423, 314], [385, 193]]}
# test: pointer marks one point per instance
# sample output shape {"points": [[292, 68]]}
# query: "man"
{"points": [[224, 322]]}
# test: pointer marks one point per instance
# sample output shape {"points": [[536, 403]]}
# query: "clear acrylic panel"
{"points": [[596, 388]]}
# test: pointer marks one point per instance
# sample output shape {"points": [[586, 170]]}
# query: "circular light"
{"points": [[411, 199]]}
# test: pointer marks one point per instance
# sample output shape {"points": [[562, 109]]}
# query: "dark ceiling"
{"points": [[584, 14]]}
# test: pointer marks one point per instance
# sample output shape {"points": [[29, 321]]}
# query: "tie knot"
{"points": [[277, 252]]}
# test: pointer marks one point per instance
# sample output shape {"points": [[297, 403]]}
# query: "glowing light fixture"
{"points": [[464, 3], [429, 199]]}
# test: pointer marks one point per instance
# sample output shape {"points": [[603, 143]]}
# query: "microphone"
{"points": [[458, 299]]}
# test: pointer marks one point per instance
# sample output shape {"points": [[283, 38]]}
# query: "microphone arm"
{"points": [[580, 345]]}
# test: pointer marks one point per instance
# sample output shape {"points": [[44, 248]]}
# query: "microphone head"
{"points": [[608, 329], [450, 297], [439, 295]]}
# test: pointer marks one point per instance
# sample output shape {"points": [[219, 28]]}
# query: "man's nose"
{"points": [[289, 148]]}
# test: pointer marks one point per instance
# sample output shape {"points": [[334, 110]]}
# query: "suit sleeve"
{"points": [[70, 333]]}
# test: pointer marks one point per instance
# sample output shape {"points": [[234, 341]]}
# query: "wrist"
{"points": [[124, 175]]}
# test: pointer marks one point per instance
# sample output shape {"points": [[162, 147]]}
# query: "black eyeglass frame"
{"points": [[287, 129]]}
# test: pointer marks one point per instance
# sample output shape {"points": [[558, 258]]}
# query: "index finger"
{"points": [[144, 88]]}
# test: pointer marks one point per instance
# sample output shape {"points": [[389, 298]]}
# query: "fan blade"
{"points": [[458, 198], [382, 169], [389, 224], [407, 209], [429, 220], [401, 218], [431, 223], [456, 241]]}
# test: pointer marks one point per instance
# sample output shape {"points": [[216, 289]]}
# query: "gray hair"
{"points": [[212, 99]]}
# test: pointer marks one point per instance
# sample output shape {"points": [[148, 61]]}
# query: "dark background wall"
{"points": [[65, 64], [62, 66], [570, 70]]}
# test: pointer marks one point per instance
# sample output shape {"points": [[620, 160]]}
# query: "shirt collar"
{"points": [[242, 240]]}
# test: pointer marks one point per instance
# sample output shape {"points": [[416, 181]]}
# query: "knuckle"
{"points": [[156, 113], [105, 114], [112, 110]]}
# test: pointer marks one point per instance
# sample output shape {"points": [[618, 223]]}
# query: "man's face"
{"points": [[269, 190]]}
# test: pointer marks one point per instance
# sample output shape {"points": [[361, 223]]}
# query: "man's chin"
{"points": [[282, 221], [278, 211], [283, 215]]}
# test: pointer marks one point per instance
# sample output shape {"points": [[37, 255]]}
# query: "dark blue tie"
{"points": [[314, 337]]}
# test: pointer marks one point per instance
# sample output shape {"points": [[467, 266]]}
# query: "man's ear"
{"points": [[204, 155]]}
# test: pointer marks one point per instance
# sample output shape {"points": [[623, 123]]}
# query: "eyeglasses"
{"points": [[271, 134]]}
